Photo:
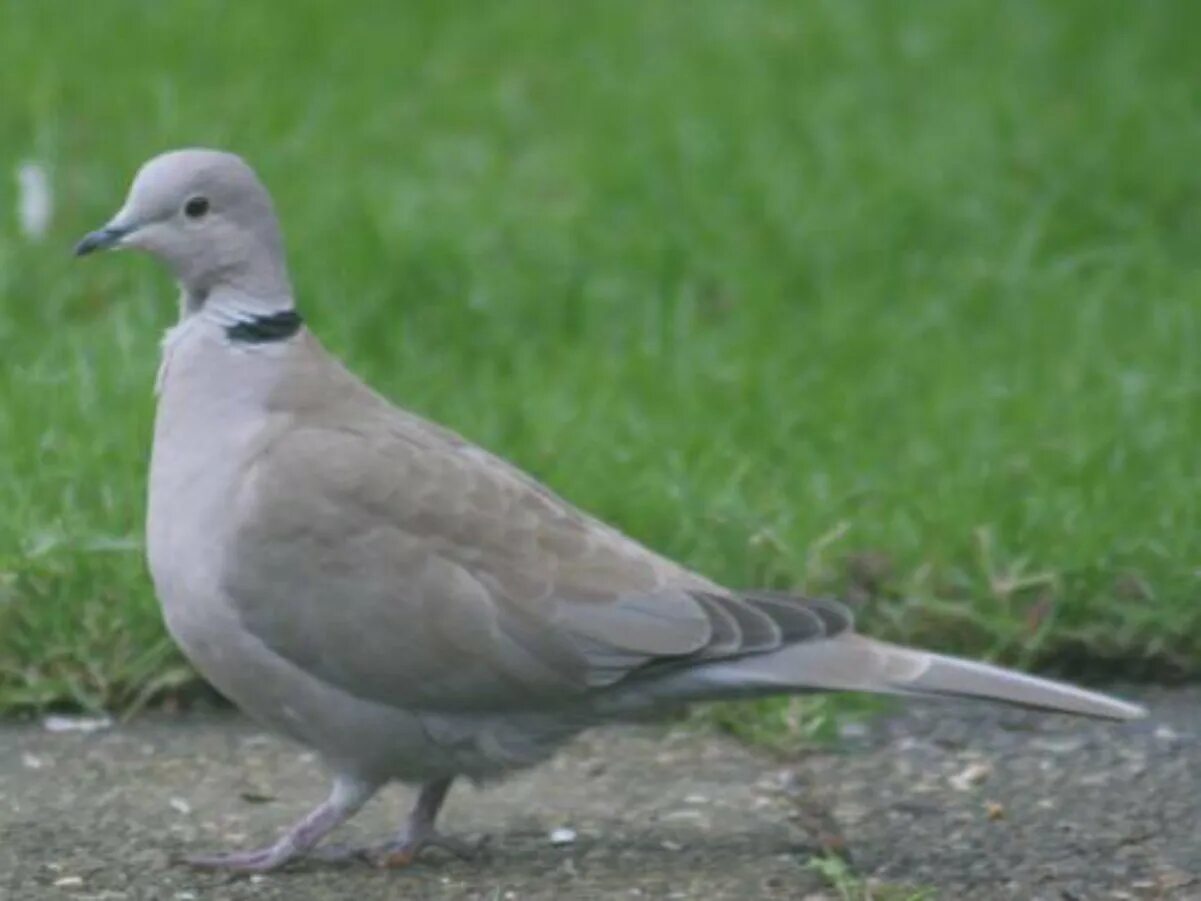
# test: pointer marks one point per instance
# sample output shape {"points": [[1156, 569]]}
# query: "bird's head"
{"points": [[206, 215]]}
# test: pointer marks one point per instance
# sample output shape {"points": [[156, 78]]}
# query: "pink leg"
{"points": [[417, 834], [347, 796]]}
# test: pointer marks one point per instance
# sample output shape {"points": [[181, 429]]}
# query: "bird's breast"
{"points": [[206, 427]]}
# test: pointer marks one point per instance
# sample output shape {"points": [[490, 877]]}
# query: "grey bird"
{"points": [[409, 605]]}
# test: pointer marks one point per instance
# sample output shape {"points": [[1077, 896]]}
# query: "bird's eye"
{"points": [[196, 207]]}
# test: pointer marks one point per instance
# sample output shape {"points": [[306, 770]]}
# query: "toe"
{"points": [[259, 861], [396, 858], [341, 853], [402, 853]]}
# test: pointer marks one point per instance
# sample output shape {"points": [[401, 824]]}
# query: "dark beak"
{"points": [[101, 239]]}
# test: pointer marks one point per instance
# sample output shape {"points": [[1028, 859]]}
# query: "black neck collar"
{"points": [[265, 329]]}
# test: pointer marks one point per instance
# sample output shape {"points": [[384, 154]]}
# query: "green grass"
{"points": [[899, 301]]}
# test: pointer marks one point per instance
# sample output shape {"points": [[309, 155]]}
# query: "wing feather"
{"points": [[388, 556]]}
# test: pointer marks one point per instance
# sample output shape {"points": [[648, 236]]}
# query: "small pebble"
{"points": [[179, 805], [972, 774], [69, 882], [32, 761], [562, 836], [83, 724]]}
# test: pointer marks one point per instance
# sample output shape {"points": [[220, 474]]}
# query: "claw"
{"points": [[397, 859], [403, 852]]}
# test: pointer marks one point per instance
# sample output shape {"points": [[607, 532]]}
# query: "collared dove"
{"points": [[408, 605]]}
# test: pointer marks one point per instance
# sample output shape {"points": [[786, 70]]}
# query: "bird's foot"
{"points": [[402, 850], [347, 796], [261, 860]]}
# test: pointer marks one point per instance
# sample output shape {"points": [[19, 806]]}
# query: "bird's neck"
{"points": [[244, 317], [231, 320]]}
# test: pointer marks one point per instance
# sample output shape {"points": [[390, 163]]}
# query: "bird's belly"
{"points": [[373, 740], [190, 503], [353, 734]]}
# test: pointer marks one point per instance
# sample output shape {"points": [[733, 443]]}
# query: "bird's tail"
{"points": [[852, 662]]}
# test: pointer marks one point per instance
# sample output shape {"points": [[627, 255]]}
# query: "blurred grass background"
{"points": [[895, 301]]}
